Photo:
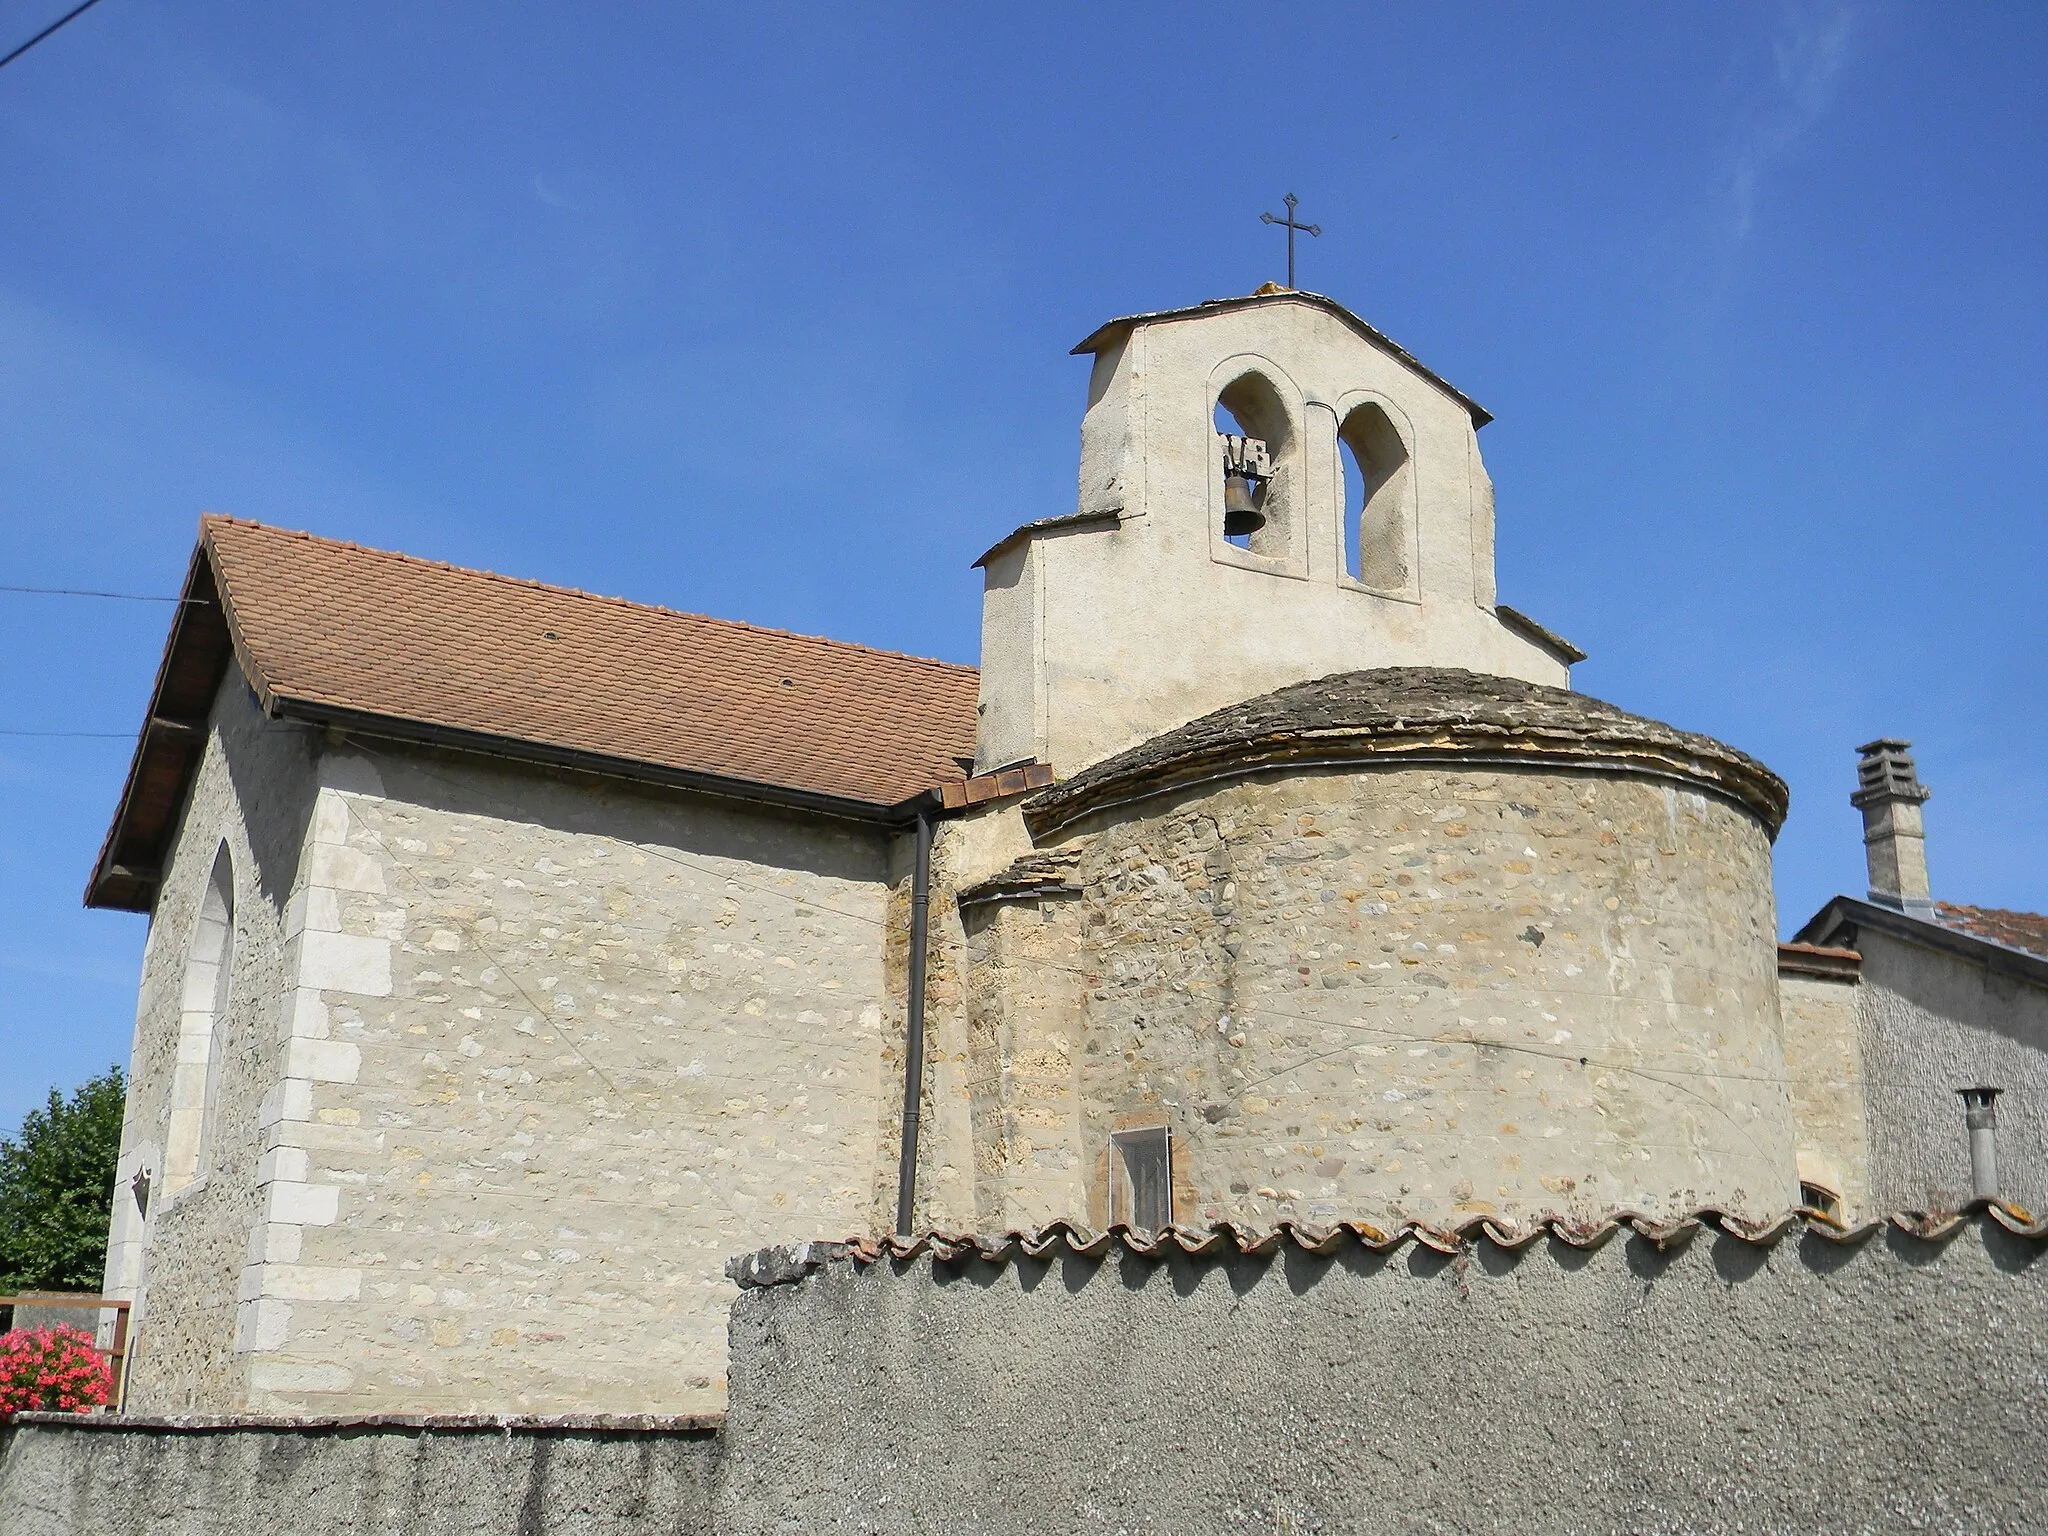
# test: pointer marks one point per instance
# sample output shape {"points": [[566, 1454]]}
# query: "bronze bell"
{"points": [[1241, 514]]}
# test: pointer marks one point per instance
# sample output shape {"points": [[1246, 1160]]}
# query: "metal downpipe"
{"points": [[913, 1022]]}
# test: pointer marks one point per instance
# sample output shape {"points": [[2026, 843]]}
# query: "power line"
{"points": [[86, 735], [69, 16], [125, 597]]}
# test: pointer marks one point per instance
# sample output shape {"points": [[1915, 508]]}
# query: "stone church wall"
{"points": [[253, 796], [521, 1057], [1825, 1067], [1367, 995], [586, 1041], [1930, 1023]]}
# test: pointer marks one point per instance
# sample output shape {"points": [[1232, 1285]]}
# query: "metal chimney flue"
{"points": [[1980, 1114]]}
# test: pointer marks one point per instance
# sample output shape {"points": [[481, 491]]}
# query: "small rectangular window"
{"points": [[1141, 1178], [1820, 1198]]}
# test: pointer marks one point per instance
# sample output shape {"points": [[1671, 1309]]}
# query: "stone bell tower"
{"points": [[1271, 492]]}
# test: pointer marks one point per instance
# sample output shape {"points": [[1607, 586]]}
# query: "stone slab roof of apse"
{"points": [[1420, 713]]}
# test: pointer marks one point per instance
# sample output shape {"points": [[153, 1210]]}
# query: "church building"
{"points": [[517, 956]]}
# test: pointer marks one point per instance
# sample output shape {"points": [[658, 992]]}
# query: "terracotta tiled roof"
{"points": [[2015, 930], [373, 633], [374, 641]]}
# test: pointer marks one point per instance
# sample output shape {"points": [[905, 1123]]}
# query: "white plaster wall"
{"points": [[1931, 1022], [1008, 719], [1138, 628]]}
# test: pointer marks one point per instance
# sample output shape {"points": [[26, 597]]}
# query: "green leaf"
{"points": [[57, 1190]]}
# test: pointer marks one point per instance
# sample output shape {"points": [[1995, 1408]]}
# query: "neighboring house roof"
{"points": [[392, 645], [1110, 332], [1839, 921], [2017, 930]]}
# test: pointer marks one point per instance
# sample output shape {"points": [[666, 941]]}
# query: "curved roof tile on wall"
{"points": [[786, 1263]]}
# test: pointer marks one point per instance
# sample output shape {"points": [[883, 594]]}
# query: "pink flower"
{"points": [[51, 1368]]}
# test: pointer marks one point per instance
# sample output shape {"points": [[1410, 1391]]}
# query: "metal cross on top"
{"points": [[1291, 227]]}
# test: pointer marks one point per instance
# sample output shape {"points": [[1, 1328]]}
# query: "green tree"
{"points": [[57, 1188]]}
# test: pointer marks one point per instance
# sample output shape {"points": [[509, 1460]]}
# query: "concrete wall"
{"points": [[89, 1478], [524, 1056], [1371, 994], [1103, 637], [1681, 1380], [1824, 1065], [253, 796], [1932, 1022], [1888, 1385]]}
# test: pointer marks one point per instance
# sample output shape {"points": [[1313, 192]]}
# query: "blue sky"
{"points": [[764, 312]]}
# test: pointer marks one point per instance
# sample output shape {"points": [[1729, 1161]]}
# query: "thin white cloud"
{"points": [[1808, 54]]}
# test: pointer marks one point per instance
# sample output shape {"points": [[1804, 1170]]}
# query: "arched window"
{"points": [[1259, 508], [1377, 538], [202, 1004]]}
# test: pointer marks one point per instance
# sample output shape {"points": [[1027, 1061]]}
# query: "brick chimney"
{"points": [[1889, 794]]}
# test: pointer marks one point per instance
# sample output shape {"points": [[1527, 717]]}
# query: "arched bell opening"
{"points": [[1376, 472], [1257, 441]]}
